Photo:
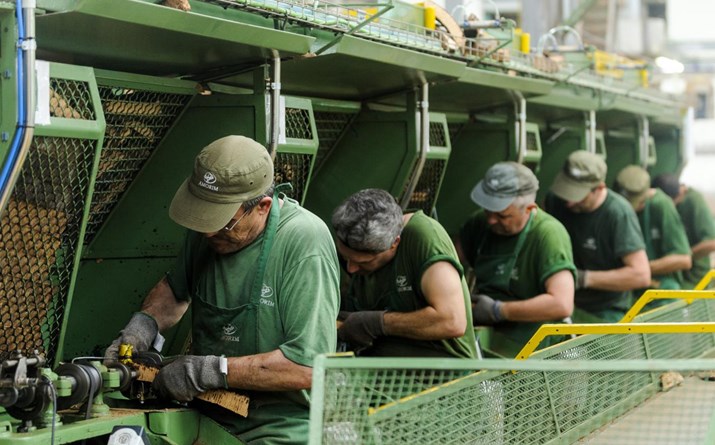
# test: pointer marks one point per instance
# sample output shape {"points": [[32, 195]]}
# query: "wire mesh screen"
{"points": [[633, 404], [40, 230], [137, 120], [532, 143], [682, 345], [437, 135], [425, 195], [295, 169], [70, 99], [330, 126], [298, 124]]}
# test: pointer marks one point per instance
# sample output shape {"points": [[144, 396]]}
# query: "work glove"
{"points": [[188, 376], [360, 329], [140, 332], [580, 279], [486, 311]]}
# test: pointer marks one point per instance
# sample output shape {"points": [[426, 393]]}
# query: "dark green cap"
{"points": [[633, 182], [581, 173], [227, 172], [502, 183]]}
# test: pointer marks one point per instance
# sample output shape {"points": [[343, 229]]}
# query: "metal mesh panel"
{"points": [[293, 168], [425, 194], [40, 229], [408, 405], [437, 136], [298, 124], [70, 99], [683, 345], [137, 120], [330, 126], [531, 142]]}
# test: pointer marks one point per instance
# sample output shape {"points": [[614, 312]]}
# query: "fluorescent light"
{"points": [[669, 66]]}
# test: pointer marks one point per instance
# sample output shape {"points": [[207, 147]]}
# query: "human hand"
{"points": [[360, 329], [486, 311], [188, 376], [140, 332]]}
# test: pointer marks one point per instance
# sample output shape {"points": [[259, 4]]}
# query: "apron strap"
{"points": [[268, 236]]}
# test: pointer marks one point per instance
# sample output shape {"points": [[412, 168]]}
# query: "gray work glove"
{"points": [[580, 282], [360, 329], [486, 311], [188, 376], [140, 332]]}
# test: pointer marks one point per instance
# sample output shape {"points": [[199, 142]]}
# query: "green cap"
{"points": [[227, 172], [581, 173], [633, 182], [502, 183]]}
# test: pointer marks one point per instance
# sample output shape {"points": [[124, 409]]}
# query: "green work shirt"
{"points": [[699, 226], [295, 311], [396, 287], [664, 234], [545, 251], [600, 240]]}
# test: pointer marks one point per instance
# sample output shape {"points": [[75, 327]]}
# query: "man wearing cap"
{"points": [[521, 258], [262, 277], [665, 240], [407, 295], [699, 225], [607, 243]]}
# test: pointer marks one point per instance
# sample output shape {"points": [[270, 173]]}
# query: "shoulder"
{"points": [[617, 205]]}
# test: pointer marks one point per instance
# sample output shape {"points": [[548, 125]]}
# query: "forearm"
{"points": [[703, 248], [617, 280], [670, 263], [163, 306], [270, 371], [425, 324], [543, 307]]}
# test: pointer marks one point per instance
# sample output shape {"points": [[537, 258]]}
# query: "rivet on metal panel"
{"points": [[4, 136]]}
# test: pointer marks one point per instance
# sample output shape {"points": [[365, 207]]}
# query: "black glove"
{"points": [[187, 376], [360, 329], [140, 332], [486, 311], [580, 282]]}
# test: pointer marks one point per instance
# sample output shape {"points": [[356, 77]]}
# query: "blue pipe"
{"points": [[20, 131]]}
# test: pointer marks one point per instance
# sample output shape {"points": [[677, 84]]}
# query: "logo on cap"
{"points": [[577, 172], [494, 182], [208, 181]]}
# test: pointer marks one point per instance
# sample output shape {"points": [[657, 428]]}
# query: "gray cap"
{"points": [[633, 182], [227, 172], [581, 173], [502, 183]]}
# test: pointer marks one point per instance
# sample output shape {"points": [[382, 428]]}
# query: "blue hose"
{"points": [[20, 131]]}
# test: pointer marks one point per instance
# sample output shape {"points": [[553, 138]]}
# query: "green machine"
{"points": [[127, 91]]}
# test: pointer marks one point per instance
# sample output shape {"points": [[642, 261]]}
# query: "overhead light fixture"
{"points": [[668, 65]]}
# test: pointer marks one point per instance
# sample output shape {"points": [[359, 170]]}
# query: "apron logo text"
{"points": [[266, 293], [228, 331], [402, 284]]}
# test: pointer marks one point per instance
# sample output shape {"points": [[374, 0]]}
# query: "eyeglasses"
{"points": [[231, 224]]}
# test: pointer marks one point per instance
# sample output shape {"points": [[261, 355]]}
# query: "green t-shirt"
{"points": [[295, 313], [664, 234], [545, 251], [600, 240], [396, 287], [699, 226]]}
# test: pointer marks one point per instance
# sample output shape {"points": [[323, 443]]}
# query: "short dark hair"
{"points": [[669, 183], [368, 221]]}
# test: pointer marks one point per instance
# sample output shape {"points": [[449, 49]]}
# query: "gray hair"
{"points": [[368, 221], [524, 200], [253, 202]]}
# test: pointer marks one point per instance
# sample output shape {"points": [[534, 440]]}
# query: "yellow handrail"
{"points": [[612, 328], [705, 282], [688, 295]]}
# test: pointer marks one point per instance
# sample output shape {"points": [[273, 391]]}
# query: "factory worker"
{"points": [[407, 295], [521, 258], [665, 240], [608, 247], [262, 277], [699, 225]]}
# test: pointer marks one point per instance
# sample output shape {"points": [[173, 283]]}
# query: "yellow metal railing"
{"points": [[707, 279], [547, 330]]}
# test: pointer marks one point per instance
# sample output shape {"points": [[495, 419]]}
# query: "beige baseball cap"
{"points": [[581, 173], [633, 182], [502, 183], [227, 172]]}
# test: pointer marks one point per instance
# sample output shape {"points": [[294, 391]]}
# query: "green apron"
{"points": [[493, 272], [272, 419], [668, 282]]}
